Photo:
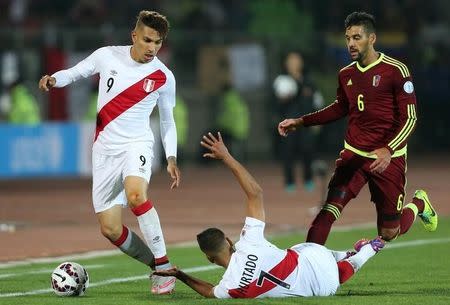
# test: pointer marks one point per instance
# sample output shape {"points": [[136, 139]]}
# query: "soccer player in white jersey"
{"points": [[132, 82], [255, 268]]}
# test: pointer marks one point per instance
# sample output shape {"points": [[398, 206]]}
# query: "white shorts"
{"points": [[109, 172], [319, 274]]}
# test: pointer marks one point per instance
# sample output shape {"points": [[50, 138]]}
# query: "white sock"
{"points": [[151, 229], [338, 255], [360, 258]]}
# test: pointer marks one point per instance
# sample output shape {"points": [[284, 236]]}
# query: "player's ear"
{"points": [[232, 249], [210, 258], [133, 36], [372, 38]]}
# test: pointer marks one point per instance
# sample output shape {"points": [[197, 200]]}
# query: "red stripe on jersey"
{"points": [[127, 99], [281, 271]]}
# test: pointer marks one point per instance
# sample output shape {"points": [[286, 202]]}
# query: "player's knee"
{"points": [[389, 234], [111, 232], [135, 198]]}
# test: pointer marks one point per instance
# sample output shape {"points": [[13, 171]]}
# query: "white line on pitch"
{"points": [[2, 276], [106, 282]]}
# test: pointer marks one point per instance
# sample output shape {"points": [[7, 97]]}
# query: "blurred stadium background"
{"points": [[210, 43]]}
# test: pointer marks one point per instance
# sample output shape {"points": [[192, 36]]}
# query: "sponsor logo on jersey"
{"points": [[349, 83], [148, 85], [113, 72], [376, 80], [408, 87]]}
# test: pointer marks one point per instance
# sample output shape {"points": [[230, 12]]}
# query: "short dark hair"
{"points": [[211, 240], [361, 18], [155, 21]]}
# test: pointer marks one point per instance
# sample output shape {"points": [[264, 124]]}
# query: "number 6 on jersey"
{"points": [[360, 102]]}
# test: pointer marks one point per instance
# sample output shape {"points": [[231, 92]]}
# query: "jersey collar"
{"points": [[376, 62]]}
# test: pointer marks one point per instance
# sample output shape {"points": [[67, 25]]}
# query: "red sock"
{"points": [[320, 227], [345, 271], [122, 237], [161, 260], [142, 208], [406, 220]]}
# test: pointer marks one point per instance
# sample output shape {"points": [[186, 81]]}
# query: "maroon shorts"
{"points": [[387, 189]]}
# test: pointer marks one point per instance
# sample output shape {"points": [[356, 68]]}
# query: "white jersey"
{"points": [[259, 269], [128, 92]]}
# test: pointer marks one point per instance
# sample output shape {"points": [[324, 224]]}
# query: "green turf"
{"points": [[400, 274]]}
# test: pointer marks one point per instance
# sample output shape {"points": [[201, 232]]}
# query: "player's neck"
{"points": [[371, 57]]}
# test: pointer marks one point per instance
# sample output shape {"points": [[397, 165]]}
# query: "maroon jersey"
{"points": [[380, 102]]}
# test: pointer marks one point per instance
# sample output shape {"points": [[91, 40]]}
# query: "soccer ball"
{"points": [[70, 279], [285, 86]]}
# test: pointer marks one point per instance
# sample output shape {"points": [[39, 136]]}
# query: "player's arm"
{"points": [[336, 110], [201, 287], [405, 98], [218, 150], [62, 78], [166, 103]]}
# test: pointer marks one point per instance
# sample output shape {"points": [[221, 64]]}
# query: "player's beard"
{"points": [[357, 57]]}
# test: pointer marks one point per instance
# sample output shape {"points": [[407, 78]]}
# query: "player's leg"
{"points": [[420, 205], [347, 181], [387, 192], [148, 219], [108, 199], [137, 173], [349, 266], [123, 237], [340, 255]]}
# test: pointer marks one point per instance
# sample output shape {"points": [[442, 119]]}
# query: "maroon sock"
{"points": [[419, 203], [320, 227], [345, 271], [406, 220]]}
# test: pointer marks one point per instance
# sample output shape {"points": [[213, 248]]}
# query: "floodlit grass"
{"points": [[408, 271]]}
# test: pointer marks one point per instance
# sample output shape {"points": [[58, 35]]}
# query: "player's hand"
{"points": [[169, 272], [289, 125], [46, 82], [217, 148], [382, 161], [174, 172]]}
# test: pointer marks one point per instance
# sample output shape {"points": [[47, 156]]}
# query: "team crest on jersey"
{"points": [[408, 87], [148, 85], [376, 80]]}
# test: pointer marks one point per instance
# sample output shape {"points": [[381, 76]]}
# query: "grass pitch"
{"points": [[414, 269]]}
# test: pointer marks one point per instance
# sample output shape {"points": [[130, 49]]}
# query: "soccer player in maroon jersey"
{"points": [[376, 92]]}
